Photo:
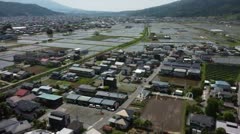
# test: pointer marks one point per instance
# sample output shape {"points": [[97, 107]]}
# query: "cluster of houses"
{"points": [[198, 123], [14, 74], [100, 100], [59, 123], [61, 24], [45, 58]]}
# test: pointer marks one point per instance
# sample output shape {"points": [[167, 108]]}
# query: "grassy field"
{"points": [[165, 113], [37, 69], [67, 83], [100, 37], [222, 72]]}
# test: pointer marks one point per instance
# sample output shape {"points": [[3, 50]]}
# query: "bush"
{"points": [[228, 116]]}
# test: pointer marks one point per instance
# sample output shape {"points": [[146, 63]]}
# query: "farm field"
{"points": [[222, 72], [37, 69], [179, 81], [165, 113]]}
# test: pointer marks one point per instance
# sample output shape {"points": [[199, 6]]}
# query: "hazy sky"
{"points": [[112, 5]]}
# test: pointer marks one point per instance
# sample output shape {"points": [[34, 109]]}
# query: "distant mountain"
{"points": [[52, 5], [191, 8], [18, 9]]}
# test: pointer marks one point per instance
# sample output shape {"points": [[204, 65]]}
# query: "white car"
{"points": [[92, 106]]}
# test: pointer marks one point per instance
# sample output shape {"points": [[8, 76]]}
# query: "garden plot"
{"points": [[26, 42], [99, 48], [135, 48], [4, 64], [222, 72], [66, 45], [178, 32], [227, 60], [88, 42], [120, 40], [29, 48], [120, 30], [165, 113], [8, 55]]}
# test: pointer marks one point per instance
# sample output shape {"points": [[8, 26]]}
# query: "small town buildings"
{"points": [[84, 72], [177, 72], [83, 100], [13, 126], [109, 104], [166, 70], [50, 100], [28, 110], [111, 82], [119, 97], [200, 122], [76, 126], [22, 92], [65, 131], [95, 102], [56, 76], [72, 98], [194, 73], [58, 120], [86, 90], [230, 127], [12, 101], [39, 131], [123, 119]]}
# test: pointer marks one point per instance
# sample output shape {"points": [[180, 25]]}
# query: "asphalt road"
{"points": [[98, 125], [239, 100]]}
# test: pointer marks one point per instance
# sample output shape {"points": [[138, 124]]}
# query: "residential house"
{"points": [[84, 72], [28, 110], [58, 120], [13, 126], [22, 92], [201, 122], [83, 100], [50, 100], [76, 126], [72, 98], [111, 82], [87, 90]]}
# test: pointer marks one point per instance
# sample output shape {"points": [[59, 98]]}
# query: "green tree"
{"points": [[5, 111], [213, 106], [194, 109], [40, 124], [49, 32], [228, 116], [220, 131], [96, 33], [147, 123], [138, 122]]}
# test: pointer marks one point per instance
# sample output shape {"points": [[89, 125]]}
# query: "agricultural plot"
{"points": [[227, 60], [29, 48], [65, 45], [222, 72], [165, 113], [8, 55], [36, 69], [4, 64]]}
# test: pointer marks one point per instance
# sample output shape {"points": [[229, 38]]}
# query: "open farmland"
{"points": [[222, 72], [165, 113]]}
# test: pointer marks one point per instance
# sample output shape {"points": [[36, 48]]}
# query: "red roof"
{"points": [[21, 92]]}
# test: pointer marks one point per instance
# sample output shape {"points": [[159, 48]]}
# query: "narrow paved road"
{"points": [[131, 98], [238, 100]]}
